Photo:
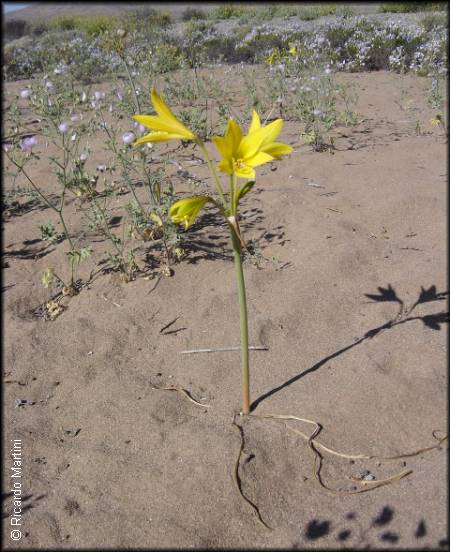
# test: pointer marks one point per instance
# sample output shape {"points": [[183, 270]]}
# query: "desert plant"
{"points": [[408, 7], [227, 11], [50, 102], [16, 28], [192, 13], [240, 155]]}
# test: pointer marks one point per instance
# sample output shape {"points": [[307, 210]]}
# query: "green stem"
{"points": [[66, 231], [125, 173], [232, 192], [243, 323], [131, 81]]}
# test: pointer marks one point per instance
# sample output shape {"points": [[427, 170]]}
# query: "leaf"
{"points": [[242, 191], [47, 277], [85, 253], [386, 294]]}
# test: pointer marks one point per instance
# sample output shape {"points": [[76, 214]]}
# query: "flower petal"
{"points": [[222, 145], [161, 108], [185, 211], [244, 171], [158, 136], [156, 123], [256, 122], [259, 159], [255, 141], [228, 145], [233, 134], [166, 120], [272, 131], [277, 149], [226, 165], [251, 143]]}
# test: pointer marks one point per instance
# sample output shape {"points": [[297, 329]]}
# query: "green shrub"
{"points": [[96, 25], [192, 13], [256, 48], [161, 19], [433, 20], [345, 11], [39, 27], [412, 7], [313, 12], [16, 28], [63, 23], [227, 11], [91, 25], [150, 17], [166, 57]]}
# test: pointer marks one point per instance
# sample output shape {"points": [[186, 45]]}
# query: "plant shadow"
{"points": [[366, 534], [209, 238], [432, 321], [28, 502]]}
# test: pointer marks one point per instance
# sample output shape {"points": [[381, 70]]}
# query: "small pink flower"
{"points": [[99, 95], [128, 138], [24, 93], [73, 117], [83, 156], [101, 168], [63, 127], [28, 143]]}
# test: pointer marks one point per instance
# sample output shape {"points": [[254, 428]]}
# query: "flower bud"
{"points": [[63, 127], [186, 210], [28, 143], [128, 138]]}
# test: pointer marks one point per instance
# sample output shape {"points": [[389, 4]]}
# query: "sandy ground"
{"points": [[110, 462]]}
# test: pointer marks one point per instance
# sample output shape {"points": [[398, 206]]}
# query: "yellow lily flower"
{"points": [[241, 154], [165, 125], [436, 121], [293, 51], [185, 211], [274, 56]]}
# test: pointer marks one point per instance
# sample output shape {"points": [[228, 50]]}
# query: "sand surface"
{"points": [[110, 462]]}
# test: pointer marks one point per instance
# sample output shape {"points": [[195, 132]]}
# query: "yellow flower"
{"points": [[165, 126], [241, 154], [436, 121], [293, 51], [185, 211], [275, 55]]}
